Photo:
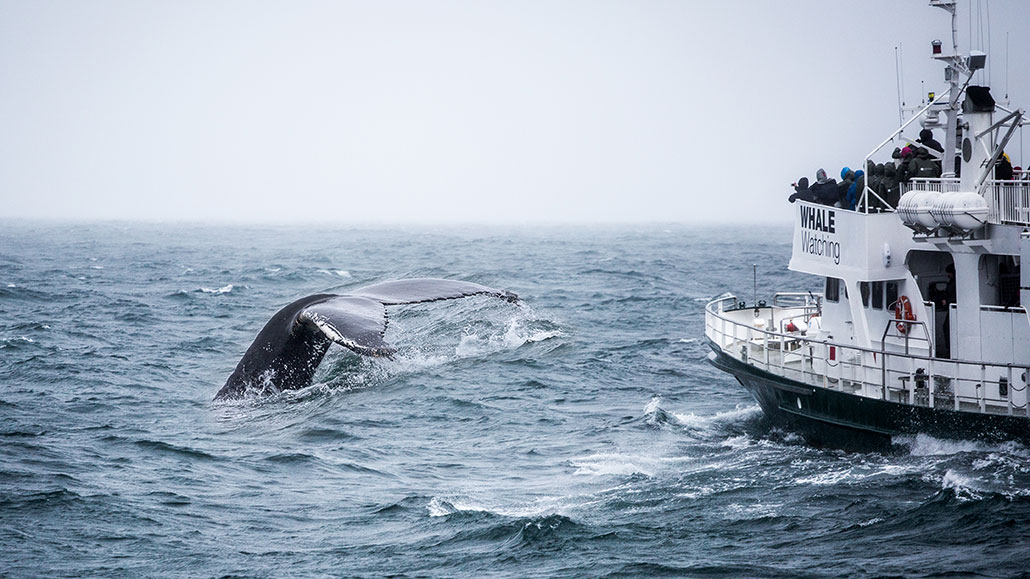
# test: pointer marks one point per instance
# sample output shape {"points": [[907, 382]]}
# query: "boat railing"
{"points": [[1009, 201], [939, 185], [903, 370]]}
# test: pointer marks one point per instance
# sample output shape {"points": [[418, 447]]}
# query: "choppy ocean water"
{"points": [[580, 434]]}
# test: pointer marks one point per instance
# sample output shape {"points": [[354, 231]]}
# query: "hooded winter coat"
{"points": [[927, 140], [890, 190], [922, 166], [802, 191], [855, 190], [825, 189], [1003, 168], [847, 179]]}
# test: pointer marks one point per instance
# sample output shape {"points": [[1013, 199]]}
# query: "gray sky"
{"points": [[473, 111]]}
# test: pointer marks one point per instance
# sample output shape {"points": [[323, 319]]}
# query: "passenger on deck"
{"points": [[874, 176], [922, 166], [890, 190], [906, 158], [825, 188], [1003, 168], [927, 140], [855, 190], [802, 191], [847, 179]]}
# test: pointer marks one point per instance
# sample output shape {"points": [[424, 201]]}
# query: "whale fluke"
{"points": [[290, 347]]}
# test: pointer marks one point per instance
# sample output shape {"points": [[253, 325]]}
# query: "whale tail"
{"points": [[289, 348]]}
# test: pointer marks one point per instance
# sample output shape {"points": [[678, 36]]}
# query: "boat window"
{"points": [[892, 293], [863, 287], [832, 289], [877, 296]]}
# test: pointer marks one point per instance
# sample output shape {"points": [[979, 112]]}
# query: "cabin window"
{"points": [[877, 296], [863, 288], [892, 293], [832, 289]]}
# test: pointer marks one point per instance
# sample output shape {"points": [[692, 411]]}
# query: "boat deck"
{"points": [[893, 376]]}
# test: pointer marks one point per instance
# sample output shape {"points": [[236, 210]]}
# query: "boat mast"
{"points": [[956, 68]]}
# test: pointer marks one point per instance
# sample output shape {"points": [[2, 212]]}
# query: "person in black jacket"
{"points": [[927, 140], [825, 188], [802, 191], [922, 166], [1003, 168], [890, 191]]}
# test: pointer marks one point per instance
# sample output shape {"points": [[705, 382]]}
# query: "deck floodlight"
{"points": [[976, 60]]}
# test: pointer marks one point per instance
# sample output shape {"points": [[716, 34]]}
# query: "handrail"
{"points": [[922, 380], [858, 348], [865, 163]]}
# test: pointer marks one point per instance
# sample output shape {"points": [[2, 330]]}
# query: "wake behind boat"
{"points": [[922, 325]]}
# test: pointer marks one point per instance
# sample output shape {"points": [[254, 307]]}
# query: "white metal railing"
{"points": [[940, 185], [1009, 201], [898, 373]]}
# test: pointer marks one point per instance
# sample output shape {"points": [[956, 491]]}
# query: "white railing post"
{"points": [[931, 381]]}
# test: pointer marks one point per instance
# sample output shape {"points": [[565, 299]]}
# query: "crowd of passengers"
{"points": [[884, 179]]}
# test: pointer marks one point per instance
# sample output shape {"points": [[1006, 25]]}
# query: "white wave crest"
{"points": [[925, 445], [707, 421], [336, 272], [546, 505], [516, 334], [217, 291], [965, 487], [608, 464]]}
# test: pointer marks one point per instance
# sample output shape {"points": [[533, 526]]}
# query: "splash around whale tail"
{"points": [[289, 348]]}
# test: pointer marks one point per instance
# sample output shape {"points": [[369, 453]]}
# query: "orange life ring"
{"points": [[903, 311]]}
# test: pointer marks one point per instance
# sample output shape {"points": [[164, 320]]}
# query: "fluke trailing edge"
{"points": [[290, 347]]}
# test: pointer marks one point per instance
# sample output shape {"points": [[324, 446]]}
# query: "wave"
{"points": [[925, 445], [709, 421], [518, 332], [511, 531], [336, 272], [217, 291], [174, 449], [16, 342]]}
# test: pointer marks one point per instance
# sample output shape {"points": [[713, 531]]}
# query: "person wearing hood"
{"points": [[905, 156], [927, 140], [1003, 168], [896, 157], [874, 174], [825, 189], [890, 190], [922, 166], [855, 190], [802, 191], [847, 179]]}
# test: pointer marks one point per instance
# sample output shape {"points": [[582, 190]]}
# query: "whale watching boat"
{"points": [[922, 326]]}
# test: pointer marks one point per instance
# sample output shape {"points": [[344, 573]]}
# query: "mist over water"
{"points": [[581, 433]]}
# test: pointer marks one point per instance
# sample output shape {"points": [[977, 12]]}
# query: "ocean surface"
{"points": [[579, 434]]}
